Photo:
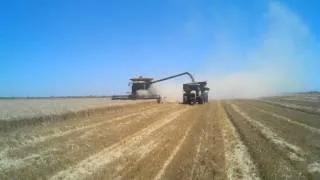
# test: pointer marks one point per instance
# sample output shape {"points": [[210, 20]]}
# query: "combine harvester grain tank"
{"points": [[194, 92]]}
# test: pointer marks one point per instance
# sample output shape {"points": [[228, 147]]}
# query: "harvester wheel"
{"points": [[201, 100]]}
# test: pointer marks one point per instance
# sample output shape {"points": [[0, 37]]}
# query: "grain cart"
{"points": [[195, 92]]}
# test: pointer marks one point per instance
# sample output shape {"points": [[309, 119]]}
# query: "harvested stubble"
{"points": [[20, 121]]}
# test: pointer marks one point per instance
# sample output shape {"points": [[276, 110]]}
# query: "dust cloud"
{"points": [[271, 67], [274, 66], [144, 93], [169, 91]]}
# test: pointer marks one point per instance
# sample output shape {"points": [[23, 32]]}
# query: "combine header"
{"points": [[194, 92]]}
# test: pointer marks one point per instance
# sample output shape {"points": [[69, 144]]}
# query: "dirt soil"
{"points": [[239, 139]]}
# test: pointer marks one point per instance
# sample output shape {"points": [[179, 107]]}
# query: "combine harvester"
{"points": [[194, 92]]}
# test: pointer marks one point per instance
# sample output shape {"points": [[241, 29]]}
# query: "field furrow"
{"points": [[71, 147], [315, 109], [306, 118], [201, 155], [235, 140], [239, 163], [262, 142], [109, 154]]}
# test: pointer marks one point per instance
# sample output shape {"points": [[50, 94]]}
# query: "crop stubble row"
{"points": [[168, 141], [280, 148]]}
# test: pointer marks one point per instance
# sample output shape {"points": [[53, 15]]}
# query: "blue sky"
{"points": [[53, 48]]}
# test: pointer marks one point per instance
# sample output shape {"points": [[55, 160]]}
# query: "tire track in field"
{"points": [[260, 147], [312, 129], [239, 164], [7, 163], [196, 158], [170, 135], [302, 117], [200, 156], [161, 136], [28, 135], [307, 109], [108, 155], [59, 133], [32, 133], [151, 142], [293, 152], [173, 154], [295, 132]]}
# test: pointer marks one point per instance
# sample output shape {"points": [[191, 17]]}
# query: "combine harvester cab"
{"points": [[139, 90]]}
